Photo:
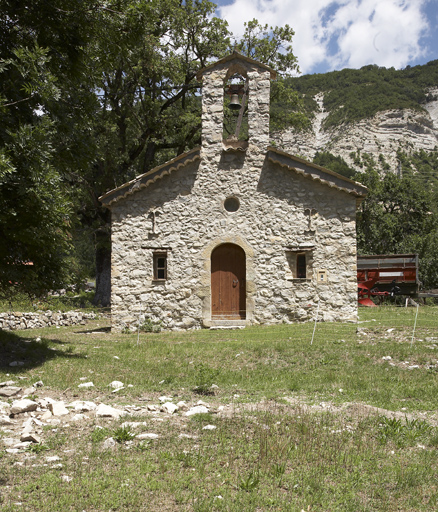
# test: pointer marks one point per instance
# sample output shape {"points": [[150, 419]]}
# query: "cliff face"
{"points": [[384, 134]]}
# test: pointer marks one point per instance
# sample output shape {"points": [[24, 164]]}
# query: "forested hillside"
{"points": [[355, 94]]}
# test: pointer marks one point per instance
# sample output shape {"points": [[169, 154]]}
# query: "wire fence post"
{"points": [[138, 330], [316, 318], [415, 325]]}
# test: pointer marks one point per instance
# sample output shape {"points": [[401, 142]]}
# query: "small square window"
{"points": [[160, 266], [300, 263]]}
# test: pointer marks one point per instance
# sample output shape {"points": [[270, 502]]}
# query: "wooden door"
{"points": [[228, 284]]}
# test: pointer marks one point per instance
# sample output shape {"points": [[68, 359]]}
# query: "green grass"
{"points": [[280, 451]]}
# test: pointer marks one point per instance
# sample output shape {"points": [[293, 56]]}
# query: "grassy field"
{"points": [[301, 431]]}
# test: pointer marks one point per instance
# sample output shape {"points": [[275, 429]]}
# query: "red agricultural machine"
{"points": [[386, 275]]}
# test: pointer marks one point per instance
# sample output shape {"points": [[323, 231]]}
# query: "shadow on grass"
{"points": [[91, 331], [27, 353]]}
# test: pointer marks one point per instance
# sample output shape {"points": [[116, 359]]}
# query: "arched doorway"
{"points": [[228, 282]]}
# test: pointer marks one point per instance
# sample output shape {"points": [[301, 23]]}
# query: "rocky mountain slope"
{"points": [[372, 110], [384, 134]]}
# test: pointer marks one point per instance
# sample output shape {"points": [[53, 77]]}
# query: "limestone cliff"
{"points": [[384, 134]]}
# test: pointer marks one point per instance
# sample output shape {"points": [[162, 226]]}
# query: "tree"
{"points": [[35, 222], [128, 98], [399, 216], [335, 163]]}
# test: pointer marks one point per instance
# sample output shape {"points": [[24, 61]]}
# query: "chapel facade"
{"points": [[234, 233]]}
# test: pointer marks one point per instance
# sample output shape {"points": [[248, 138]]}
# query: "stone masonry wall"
{"points": [[279, 209], [17, 320], [272, 216]]}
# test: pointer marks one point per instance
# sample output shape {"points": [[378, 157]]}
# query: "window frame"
{"points": [[157, 269], [293, 255]]}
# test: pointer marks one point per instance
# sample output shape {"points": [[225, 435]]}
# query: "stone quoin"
{"points": [[234, 232]]}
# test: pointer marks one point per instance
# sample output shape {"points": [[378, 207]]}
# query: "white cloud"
{"points": [[342, 33]]}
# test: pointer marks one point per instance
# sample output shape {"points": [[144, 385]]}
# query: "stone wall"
{"points": [[16, 320], [278, 209]]}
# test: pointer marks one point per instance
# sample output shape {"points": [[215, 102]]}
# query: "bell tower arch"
{"points": [[256, 77]]}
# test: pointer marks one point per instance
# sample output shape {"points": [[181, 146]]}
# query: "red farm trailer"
{"points": [[386, 274]]}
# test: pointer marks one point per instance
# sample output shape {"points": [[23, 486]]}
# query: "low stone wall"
{"points": [[16, 320]]}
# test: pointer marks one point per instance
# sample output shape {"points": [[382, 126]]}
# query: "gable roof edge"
{"points": [[238, 56], [144, 180], [317, 173]]}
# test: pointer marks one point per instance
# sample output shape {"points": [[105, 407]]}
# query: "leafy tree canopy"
{"points": [[334, 163], [92, 94], [400, 214]]}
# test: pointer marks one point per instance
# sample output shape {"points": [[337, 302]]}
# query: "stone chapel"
{"points": [[235, 232]]}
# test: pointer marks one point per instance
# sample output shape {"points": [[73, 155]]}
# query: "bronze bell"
{"points": [[234, 102]]}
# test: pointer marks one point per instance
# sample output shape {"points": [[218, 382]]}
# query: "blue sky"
{"points": [[333, 35]]}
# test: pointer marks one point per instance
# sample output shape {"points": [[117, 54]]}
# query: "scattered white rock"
{"points": [[198, 409], [386, 358], [413, 367], [79, 417], [53, 458], [22, 445], [147, 436], [163, 399], [209, 427], [5, 421], [115, 384], [8, 391], [58, 409], [46, 416], [25, 405], [109, 443], [169, 407], [133, 424], [106, 411], [30, 437], [86, 385], [82, 406], [66, 478], [39, 384]]}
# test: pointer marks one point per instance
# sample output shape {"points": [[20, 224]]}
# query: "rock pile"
{"points": [[23, 420], [17, 320]]}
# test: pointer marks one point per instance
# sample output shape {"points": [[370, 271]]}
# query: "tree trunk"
{"points": [[102, 296]]}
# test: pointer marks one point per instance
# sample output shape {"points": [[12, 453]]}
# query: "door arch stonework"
{"points": [[204, 291]]}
